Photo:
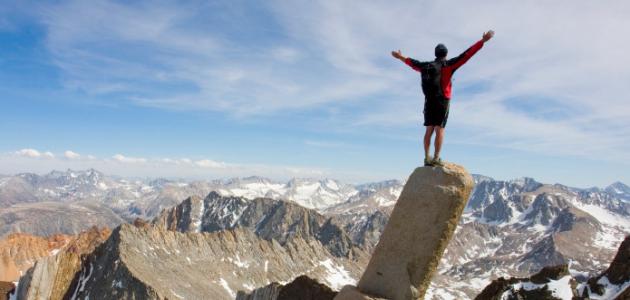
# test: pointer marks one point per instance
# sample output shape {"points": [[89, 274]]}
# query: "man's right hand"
{"points": [[398, 55], [487, 35]]}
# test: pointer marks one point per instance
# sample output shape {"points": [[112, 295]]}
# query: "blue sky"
{"points": [[309, 89]]}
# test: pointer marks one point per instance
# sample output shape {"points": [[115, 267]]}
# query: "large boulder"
{"points": [[419, 229]]}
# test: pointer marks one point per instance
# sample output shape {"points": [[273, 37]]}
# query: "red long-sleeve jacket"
{"points": [[444, 69]]}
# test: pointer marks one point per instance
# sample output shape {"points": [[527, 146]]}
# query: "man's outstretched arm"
{"points": [[464, 57], [409, 61]]}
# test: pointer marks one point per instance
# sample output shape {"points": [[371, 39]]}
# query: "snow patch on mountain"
{"points": [[605, 216], [611, 291], [337, 274], [13, 296], [226, 286], [82, 280]]}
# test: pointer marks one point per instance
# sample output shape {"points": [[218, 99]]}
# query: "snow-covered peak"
{"points": [[618, 187], [374, 186], [527, 183], [318, 194], [481, 178], [619, 190], [248, 180]]}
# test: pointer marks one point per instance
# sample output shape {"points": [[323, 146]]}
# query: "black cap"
{"points": [[440, 51]]}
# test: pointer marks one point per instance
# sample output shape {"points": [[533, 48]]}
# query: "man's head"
{"points": [[440, 51]]}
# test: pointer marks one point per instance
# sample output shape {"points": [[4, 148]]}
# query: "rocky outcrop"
{"points": [[619, 270], [306, 288], [418, 231], [268, 292], [537, 286], [303, 288]]}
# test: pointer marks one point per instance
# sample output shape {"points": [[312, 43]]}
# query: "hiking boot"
{"points": [[428, 162], [437, 162]]}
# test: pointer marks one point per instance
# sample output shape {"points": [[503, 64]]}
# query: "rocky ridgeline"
{"points": [[152, 263], [269, 219], [212, 247]]}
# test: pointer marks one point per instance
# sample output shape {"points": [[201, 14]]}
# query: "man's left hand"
{"points": [[398, 54]]}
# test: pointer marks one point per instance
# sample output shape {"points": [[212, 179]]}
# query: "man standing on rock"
{"points": [[436, 86]]}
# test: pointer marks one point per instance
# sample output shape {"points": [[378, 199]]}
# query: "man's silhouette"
{"points": [[436, 86]]}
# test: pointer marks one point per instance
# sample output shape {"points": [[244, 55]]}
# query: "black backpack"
{"points": [[431, 79]]}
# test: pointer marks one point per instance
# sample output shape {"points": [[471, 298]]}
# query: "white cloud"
{"points": [[125, 159], [71, 155], [28, 153], [32, 153]]}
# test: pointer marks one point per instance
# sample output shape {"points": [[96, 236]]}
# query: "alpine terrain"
{"points": [[235, 236]]}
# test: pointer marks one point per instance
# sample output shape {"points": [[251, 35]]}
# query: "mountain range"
{"points": [[509, 228]]}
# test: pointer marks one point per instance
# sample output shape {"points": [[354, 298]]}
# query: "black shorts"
{"points": [[436, 111]]}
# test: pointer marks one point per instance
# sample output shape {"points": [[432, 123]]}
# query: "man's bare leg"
{"points": [[427, 141], [439, 138]]}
